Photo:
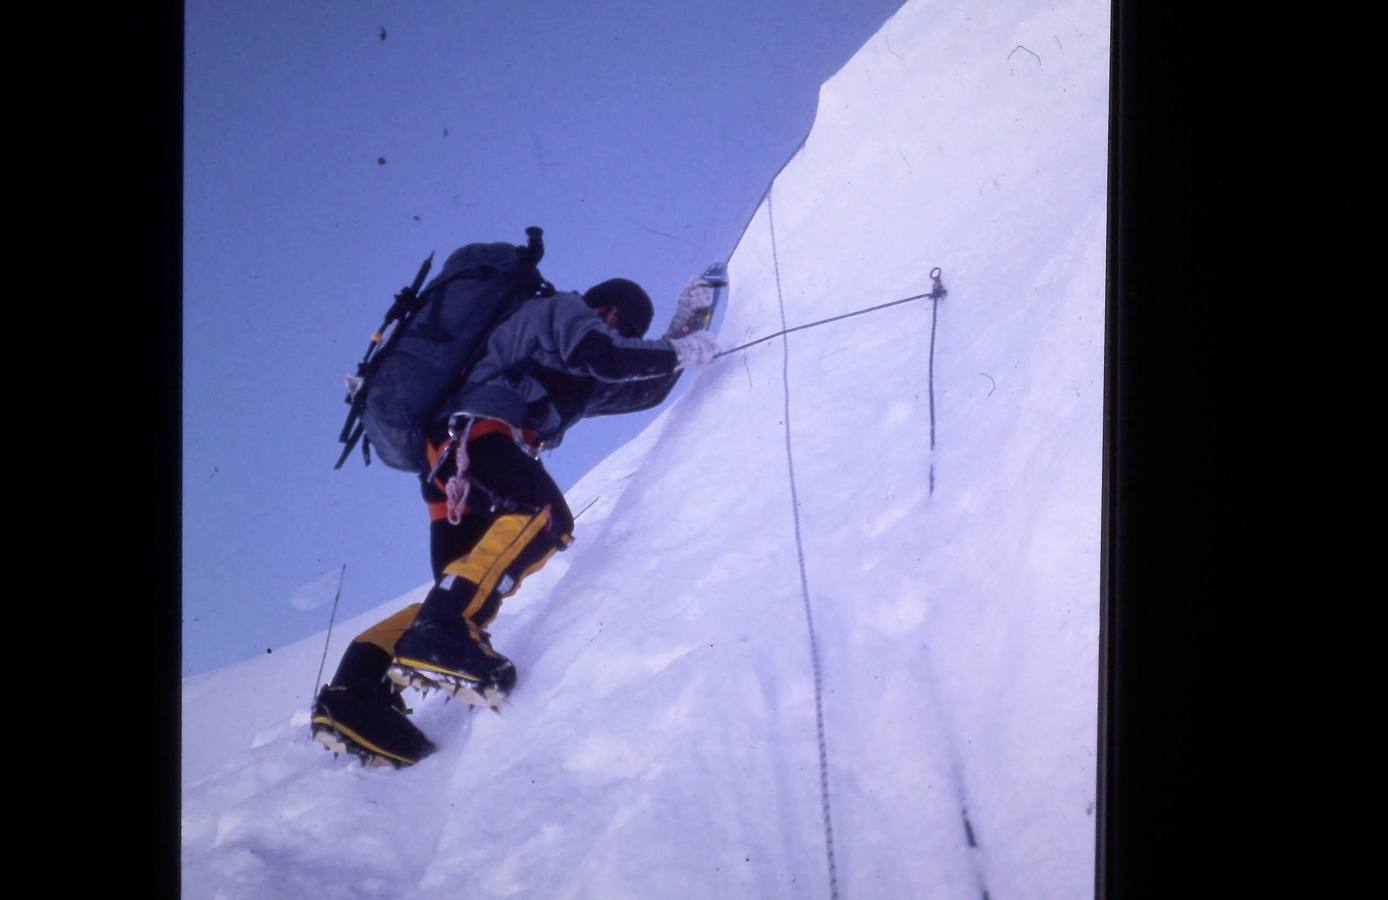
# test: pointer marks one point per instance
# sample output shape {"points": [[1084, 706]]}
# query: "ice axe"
{"points": [[716, 277]]}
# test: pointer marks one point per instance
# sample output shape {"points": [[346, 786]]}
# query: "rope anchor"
{"points": [[937, 290]]}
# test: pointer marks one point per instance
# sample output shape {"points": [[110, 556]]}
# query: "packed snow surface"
{"points": [[663, 740]]}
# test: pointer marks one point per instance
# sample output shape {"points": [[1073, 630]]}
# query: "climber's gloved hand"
{"points": [[691, 309], [697, 349]]}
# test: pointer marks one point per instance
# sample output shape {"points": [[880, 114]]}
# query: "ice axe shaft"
{"points": [[716, 277]]}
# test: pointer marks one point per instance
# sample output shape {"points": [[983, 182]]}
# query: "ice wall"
{"points": [[665, 737]]}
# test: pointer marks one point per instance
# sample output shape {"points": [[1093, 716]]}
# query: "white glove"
{"points": [[694, 300], [353, 385], [697, 349]]}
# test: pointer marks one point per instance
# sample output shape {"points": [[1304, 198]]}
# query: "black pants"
{"points": [[516, 518], [503, 475]]}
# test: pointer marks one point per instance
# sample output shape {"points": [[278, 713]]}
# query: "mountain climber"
{"points": [[495, 515]]}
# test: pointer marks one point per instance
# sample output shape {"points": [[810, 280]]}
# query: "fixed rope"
{"points": [[342, 576], [937, 293], [805, 587], [589, 506]]}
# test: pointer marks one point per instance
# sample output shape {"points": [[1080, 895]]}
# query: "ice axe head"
{"points": [[716, 275]]}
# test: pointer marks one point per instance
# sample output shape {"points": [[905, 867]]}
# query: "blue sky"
{"points": [[330, 147]]}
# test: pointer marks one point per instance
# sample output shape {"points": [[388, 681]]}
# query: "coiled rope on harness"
{"points": [[458, 488], [459, 484]]}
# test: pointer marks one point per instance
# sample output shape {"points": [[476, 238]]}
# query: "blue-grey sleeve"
{"points": [[631, 396], [588, 347]]}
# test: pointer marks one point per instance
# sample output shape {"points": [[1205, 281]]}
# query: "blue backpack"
{"points": [[436, 337]]}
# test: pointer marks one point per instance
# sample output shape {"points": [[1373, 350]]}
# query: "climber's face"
{"points": [[613, 318]]}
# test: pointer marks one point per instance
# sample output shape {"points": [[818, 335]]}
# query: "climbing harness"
{"points": [[460, 483]]}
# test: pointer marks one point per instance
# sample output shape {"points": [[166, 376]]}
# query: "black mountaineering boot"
{"points": [[443, 651], [361, 714]]}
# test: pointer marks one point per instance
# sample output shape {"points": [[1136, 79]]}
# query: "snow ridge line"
{"points": [[804, 579], [752, 216]]}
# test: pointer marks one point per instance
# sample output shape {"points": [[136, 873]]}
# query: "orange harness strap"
{"points": [[438, 509]]}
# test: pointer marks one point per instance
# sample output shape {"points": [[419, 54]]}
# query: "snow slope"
{"points": [[663, 740]]}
